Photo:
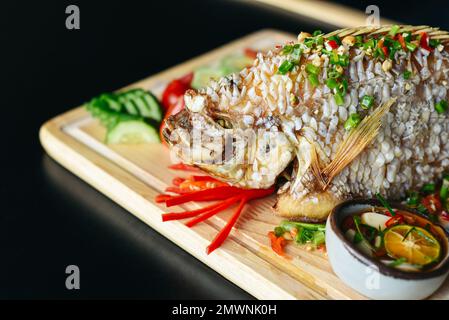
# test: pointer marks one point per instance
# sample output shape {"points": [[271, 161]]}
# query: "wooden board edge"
{"points": [[83, 162]]}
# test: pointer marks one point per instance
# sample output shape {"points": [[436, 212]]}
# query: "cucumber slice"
{"points": [[128, 104], [132, 132], [153, 104], [112, 101], [202, 76]]}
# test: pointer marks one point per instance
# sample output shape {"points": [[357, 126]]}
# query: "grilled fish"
{"points": [[350, 113]]}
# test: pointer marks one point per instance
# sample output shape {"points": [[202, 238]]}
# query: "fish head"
{"points": [[223, 145]]}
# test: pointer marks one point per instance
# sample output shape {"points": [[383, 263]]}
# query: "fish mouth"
{"points": [[180, 120]]}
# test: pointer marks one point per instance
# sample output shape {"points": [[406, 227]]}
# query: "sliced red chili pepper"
{"points": [[177, 190], [424, 41], [385, 51], [223, 234], [401, 41], [188, 214], [432, 203], [277, 243], [202, 178], [394, 220], [206, 215], [333, 44], [162, 198], [177, 181], [219, 193]]}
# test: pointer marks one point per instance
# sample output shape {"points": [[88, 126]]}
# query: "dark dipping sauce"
{"points": [[404, 241]]}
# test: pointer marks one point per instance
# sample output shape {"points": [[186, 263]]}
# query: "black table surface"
{"points": [[49, 218]]}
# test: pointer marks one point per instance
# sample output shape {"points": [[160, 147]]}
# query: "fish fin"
{"points": [[355, 142], [316, 168]]}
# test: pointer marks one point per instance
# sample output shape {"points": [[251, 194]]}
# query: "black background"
{"points": [[48, 217]]}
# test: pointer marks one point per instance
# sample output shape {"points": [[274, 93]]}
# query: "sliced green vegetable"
{"points": [[285, 67], [367, 102], [441, 106], [394, 29], [339, 100], [313, 78], [428, 188], [311, 69], [353, 121], [385, 204], [331, 83], [407, 74], [132, 132]]}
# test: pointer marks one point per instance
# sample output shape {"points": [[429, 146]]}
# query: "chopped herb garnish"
{"points": [[434, 43], [413, 199], [317, 33], [313, 78], [343, 60], [407, 74], [428, 188], [407, 233], [410, 46], [286, 66], [353, 121], [312, 69], [394, 29], [441, 106], [385, 204], [367, 102], [297, 52], [279, 231], [336, 39], [331, 83], [287, 49], [339, 100]]}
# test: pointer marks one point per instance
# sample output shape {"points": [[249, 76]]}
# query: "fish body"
{"points": [[291, 118]]}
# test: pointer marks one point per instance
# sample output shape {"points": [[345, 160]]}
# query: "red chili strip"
{"points": [[219, 193], [177, 181], [177, 190], [188, 214], [223, 234], [394, 220], [162, 198], [206, 215]]}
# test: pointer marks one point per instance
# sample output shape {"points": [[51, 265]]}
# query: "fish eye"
{"points": [[224, 123]]}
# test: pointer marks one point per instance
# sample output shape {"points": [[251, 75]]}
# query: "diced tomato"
{"points": [[175, 90], [277, 243], [424, 41], [432, 203], [333, 44]]}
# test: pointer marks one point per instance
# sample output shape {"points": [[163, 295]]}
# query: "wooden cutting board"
{"points": [[132, 175]]}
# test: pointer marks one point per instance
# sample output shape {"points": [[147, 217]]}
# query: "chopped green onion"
{"points": [[332, 83], [287, 49], [367, 102], [410, 46], [428, 188], [359, 40], [422, 209], [313, 79], [279, 231], [336, 39], [343, 60], [339, 100], [371, 43], [434, 43], [319, 40], [441, 106], [309, 42], [317, 33], [407, 74], [333, 59], [297, 52], [397, 262], [319, 237], [385, 204], [407, 36], [444, 191], [311, 69], [353, 121], [286, 66], [333, 74], [407, 233], [413, 199], [394, 29]]}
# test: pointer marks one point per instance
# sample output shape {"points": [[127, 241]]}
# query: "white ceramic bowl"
{"points": [[371, 277]]}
